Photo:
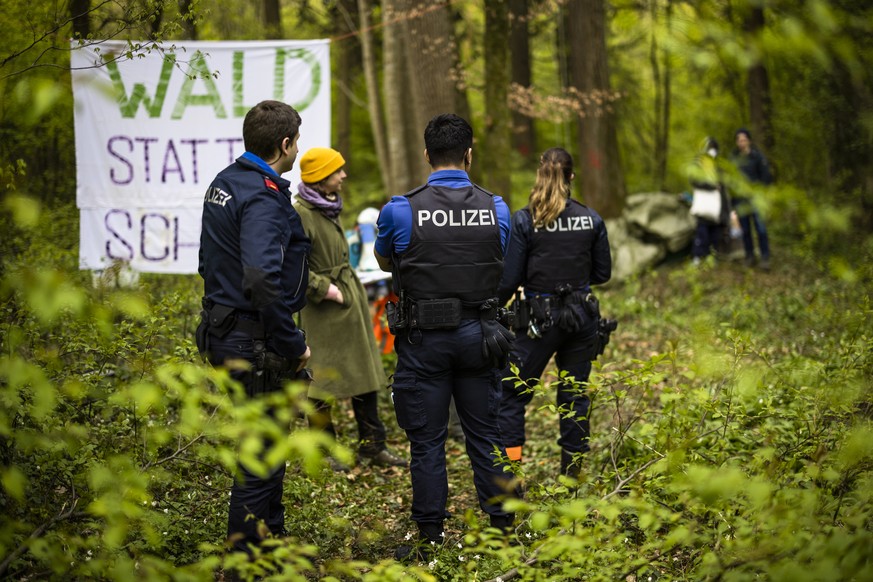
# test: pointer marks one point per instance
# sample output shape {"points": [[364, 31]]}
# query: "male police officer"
{"points": [[444, 243], [253, 260]]}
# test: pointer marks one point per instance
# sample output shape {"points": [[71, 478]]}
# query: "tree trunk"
{"points": [[272, 19], [760, 103], [344, 73], [495, 154], [598, 163], [189, 25], [459, 76], [156, 22], [80, 11], [433, 53], [374, 100], [398, 121], [661, 75], [523, 136]]}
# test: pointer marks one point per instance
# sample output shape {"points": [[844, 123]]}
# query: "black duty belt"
{"points": [[222, 319]]}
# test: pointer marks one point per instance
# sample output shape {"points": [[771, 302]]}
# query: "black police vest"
{"points": [[560, 252], [454, 247]]}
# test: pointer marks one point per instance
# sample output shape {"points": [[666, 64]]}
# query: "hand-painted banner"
{"points": [[153, 130]]}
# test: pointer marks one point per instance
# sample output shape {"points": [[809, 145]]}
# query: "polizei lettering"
{"points": [[217, 196], [569, 223], [483, 217]]}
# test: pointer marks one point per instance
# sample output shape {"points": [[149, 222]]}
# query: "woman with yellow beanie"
{"points": [[346, 361]]}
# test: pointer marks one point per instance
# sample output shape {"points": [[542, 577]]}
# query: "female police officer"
{"points": [[558, 248]]}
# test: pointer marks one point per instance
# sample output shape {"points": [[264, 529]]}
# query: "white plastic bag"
{"points": [[706, 204]]}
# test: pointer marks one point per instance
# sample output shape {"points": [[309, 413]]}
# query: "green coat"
{"points": [[345, 359]]}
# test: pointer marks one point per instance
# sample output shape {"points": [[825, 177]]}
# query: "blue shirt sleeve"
{"points": [[395, 227], [504, 220]]}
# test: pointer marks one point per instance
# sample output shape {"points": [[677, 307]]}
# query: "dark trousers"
{"points": [[437, 366], [371, 431], [749, 220], [707, 238], [251, 496], [572, 351]]}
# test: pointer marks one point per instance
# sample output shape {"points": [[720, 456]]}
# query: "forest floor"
{"points": [[364, 514]]}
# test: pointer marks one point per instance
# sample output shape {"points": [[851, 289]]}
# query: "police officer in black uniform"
{"points": [[253, 260], [444, 243], [558, 249]]}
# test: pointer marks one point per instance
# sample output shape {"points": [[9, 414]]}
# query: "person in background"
{"points": [[444, 243], [347, 362], [754, 167], [711, 220], [253, 260], [558, 249]]}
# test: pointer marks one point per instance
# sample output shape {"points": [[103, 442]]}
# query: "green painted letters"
{"points": [[199, 70], [129, 105]]}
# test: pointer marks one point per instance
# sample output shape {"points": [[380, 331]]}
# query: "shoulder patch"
{"points": [[270, 184]]}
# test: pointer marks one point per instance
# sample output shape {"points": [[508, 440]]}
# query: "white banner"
{"points": [[153, 131]]}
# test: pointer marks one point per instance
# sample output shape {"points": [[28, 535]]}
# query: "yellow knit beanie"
{"points": [[319, 163]]}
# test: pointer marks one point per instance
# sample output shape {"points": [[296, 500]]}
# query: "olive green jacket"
{"points": [[345, 358]]}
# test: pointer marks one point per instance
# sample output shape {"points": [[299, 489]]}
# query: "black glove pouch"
{"points": [[221, 320]]}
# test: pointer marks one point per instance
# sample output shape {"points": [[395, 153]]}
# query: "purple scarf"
{"points": [[330, 208]]}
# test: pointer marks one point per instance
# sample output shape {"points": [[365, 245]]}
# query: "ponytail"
{"points": [[548, 198]]}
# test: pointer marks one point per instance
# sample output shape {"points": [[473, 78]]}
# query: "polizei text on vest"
{"points": [[569, 223], [483, 217]]}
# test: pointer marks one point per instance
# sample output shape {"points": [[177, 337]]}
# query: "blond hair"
{"points": [[548, 198]]}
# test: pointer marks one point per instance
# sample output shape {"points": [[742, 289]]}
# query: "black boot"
{"points": [[430, 537], [503, 522], [570, 463]]}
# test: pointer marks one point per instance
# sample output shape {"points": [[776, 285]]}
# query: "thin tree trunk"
{"points": [[599, 166], [668, 99], [80, 12], [760, 103], [523, 136], [398, 123], [343, 78], [459, 76], [272, 19], [495, 155], [658, 155], [189, 23], [377, 119]]}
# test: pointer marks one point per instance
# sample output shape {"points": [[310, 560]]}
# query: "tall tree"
{"points": [[760, 103], [399, 118], [662, 77], [374, 99], [272, 19], [189, 19], [344, 72], [523, 134], [432, 55], [598, 162], [495, 154], [80, 12]]}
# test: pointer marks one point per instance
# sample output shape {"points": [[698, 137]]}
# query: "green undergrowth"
{"points": [[731, 438]]}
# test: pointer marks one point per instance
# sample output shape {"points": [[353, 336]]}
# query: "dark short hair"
{"points": [[745, 131], [267, 124], [447, 138]]}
